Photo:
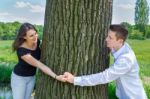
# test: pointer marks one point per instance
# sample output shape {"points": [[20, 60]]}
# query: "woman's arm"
{"points": [[34, 62]]}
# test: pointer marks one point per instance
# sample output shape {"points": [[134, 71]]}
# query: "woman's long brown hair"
{"points": [[20, 35]]}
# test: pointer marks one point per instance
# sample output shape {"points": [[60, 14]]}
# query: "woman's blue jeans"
{"points": [[22, 87]]}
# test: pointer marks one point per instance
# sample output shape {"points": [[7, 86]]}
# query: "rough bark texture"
{"points": [[74, 41]]}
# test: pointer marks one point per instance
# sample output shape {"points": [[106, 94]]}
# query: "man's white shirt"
{"points": [[125, 71]]}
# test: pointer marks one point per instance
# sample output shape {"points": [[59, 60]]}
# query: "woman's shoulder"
{"points": [[23, 47], [23, 50]]}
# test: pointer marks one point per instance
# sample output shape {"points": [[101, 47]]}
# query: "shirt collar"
{"points": [[118, 52]]}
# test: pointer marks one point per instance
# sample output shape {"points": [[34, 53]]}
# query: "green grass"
{"points": [[142, 49], [6, 54], [142, 52]]}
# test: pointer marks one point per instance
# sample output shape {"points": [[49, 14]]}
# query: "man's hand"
{"points": [[69, 77], [61, 78]]}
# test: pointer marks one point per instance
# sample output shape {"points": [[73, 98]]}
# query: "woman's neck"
{"points": [[29, 45]]}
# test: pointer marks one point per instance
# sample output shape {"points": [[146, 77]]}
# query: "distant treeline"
{"points": [[9, 30], [135, 33]]}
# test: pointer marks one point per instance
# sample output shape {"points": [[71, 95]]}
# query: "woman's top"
{"points": [[22, 68]]}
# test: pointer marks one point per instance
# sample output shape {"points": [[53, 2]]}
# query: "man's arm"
{"points": [[119, 68]]}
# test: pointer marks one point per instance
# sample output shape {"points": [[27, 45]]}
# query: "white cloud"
{"points": [[37, 8], [31, 7], [126, 6], [4, 14], [21, 19], [123, 13], [8, 17], [22, 4]]}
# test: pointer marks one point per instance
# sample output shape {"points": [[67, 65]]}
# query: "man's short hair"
{"points": [[121, 32]]}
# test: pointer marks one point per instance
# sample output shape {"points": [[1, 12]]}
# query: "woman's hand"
{"points": [[61, 78]]}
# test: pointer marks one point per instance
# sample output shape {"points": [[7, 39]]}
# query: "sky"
{"points": [[33, 11]]}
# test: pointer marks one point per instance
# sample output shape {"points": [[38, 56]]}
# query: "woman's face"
{"points": [[31, 36]]}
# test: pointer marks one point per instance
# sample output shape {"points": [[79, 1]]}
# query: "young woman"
{"points": [[28, 51]]}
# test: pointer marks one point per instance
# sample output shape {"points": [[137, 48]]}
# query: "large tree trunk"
{"points": [[74, 41]]}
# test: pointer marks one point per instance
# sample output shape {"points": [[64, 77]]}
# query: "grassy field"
{"points": [[6, 53], [140, 47], [142, 52]]}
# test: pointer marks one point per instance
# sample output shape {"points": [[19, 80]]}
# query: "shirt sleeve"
{"points": [[22, 51], [118, 69]]}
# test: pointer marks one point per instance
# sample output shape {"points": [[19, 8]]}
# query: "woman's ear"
{"points": [[25, 37]]}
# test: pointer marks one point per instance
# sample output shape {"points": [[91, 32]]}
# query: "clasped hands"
{"points": [[66, 77]]}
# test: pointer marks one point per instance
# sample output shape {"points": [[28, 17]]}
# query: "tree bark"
{"points": [[74, 41]]}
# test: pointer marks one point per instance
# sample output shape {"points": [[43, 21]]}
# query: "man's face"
{"points": [[112, 41]]}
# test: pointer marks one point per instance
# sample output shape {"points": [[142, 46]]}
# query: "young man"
{"points": [[125, 69]]}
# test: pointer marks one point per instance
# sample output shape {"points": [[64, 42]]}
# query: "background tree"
{"points": [[74, 41], [127, 26], [8, 30], [141, 16]]}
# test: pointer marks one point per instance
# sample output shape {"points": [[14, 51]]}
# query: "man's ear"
{"points": [[121, 40]]}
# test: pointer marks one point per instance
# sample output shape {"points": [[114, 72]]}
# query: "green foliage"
{"points": [[5, 72], [141, 16], [136, 34], [147, 89], [40, 30], [127, 26], [112, 91], [148, 32], [9, 30]]}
